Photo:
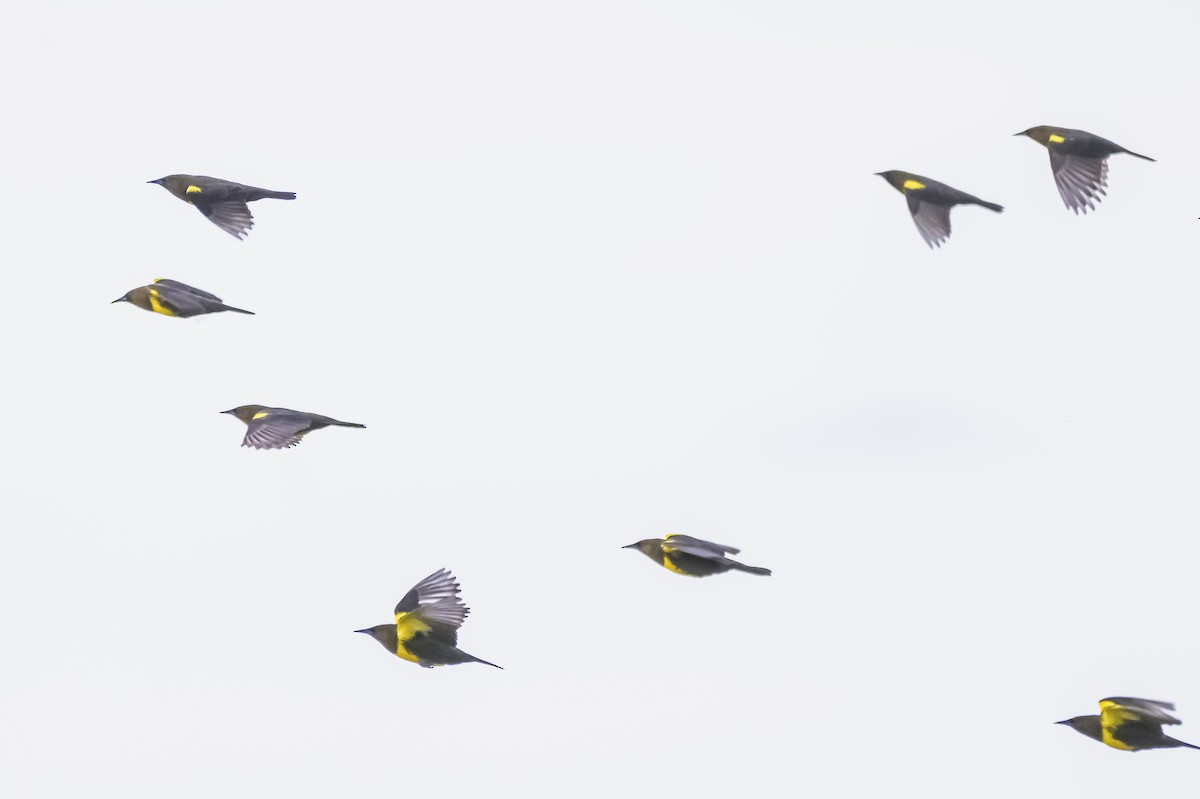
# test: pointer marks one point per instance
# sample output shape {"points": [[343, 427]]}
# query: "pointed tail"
{"points": [[236, 310], [1138, 155], [751, 569], [335, 421], [1177, 742], [487, 663], [990, 206], [279, 195]]}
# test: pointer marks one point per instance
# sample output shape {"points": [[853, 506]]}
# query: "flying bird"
{"points": [[222, 201], [426, 628], [1079, 161], [693, 557], [172, 298], [275, 428], [1129, 724], [930, 202]]}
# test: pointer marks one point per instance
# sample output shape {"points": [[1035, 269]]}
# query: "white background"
{"points": [[589, 273]]}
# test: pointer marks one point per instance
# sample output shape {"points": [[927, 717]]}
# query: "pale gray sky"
{"points": [[593, 272]]}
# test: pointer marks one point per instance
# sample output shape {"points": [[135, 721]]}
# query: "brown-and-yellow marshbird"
{"points": [[930, 202], [1129, 724], [172, 298], [425, 631], [693, 557], [276, 428], [222, 201], [1079, 161]]}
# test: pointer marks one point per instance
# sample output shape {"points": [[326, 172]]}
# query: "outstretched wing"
{"points": [[432, 606], [275, 430], [933, 221], [1081, 180], [232, 216]]}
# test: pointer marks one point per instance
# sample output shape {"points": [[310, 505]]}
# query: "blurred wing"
{"points": [[1081, 181], [175, 284], [275, 432], [1117, 709], [232, 216], [696, 546], [933, 221], [180, 303], [435, 601]]}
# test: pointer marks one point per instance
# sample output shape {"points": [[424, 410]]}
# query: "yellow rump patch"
{"points": [[913, 185], [157, 306], [259, 415], [1056, 139], [193, 190]]}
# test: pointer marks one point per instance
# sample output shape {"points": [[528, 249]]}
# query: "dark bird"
{"points": [[426, 627], [694, 557], [930, 202], [1079, 161], [1129, 724], [275, 428], [172, 298], [222, 201]]}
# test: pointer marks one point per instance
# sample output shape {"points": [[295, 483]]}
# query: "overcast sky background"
{"points": [[589, 273]]}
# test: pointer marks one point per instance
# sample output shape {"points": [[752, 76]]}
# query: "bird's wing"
{"points": [[1081, 181], [433, 602], [933, 221], [180, 303], [175, 284], [275, 430], [1118, 709], [232, 216], [696, 546]]}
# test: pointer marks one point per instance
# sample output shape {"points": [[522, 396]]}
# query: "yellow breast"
{"points": [[671, 566], [157, 306]]}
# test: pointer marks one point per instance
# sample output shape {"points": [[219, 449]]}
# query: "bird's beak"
{"points": [[879, 173], [362, 631], [231, 410], [1061, 722], [159, 181], [629, 546], [118, 299], [1022, 133]]}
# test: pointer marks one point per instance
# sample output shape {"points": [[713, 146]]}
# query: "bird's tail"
{"points": [[335, 421], [279, 195], [990, 206], [236, 310], [751, 569], [1178, 742], [489, 663], [1138, 155]]}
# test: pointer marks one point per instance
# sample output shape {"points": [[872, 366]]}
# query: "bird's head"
{"points": [[1041, 134], [895, 177], [647, 546], [385, 634], [245, 412], [1088, 725]]}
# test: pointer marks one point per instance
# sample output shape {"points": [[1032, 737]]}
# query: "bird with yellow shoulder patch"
{"points": [[425, 631], [693, 557], [172, 298], [1079, 161], [1130, 724], [223, 202], [930, 202], [279, 428]]}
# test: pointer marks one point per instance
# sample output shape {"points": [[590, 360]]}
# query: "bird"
{"points": [[426, 628], [172, 298], [222, 201], [930, 202], [1129, 724], [693, 557], [1079, 161], [276, 428]]}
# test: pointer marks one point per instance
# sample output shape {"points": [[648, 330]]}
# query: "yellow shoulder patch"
{"points": [[913, 185], [259, 415], [157, 306], [1054, 139], [193, 190]]}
